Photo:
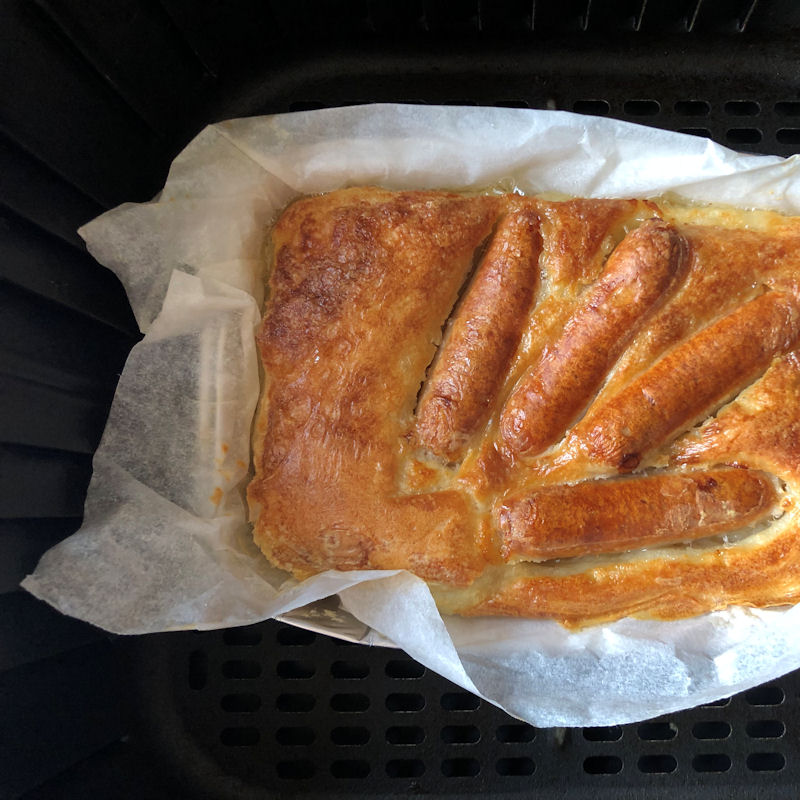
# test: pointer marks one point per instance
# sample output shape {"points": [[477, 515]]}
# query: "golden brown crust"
{"points": [[580, 233], [700, 310], [760, 429], [663, 587]]}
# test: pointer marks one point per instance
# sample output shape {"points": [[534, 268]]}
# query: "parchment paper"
{"points": [[165, 543]]}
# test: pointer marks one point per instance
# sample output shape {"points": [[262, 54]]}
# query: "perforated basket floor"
{"points": [[91, 117], [275, 711]]}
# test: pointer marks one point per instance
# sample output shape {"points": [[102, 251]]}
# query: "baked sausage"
{"points": [[628, 513], [484, 333], [569, 372], [689, 382]]}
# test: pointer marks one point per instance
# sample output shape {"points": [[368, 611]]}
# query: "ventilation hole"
{"points": [[657, 731], [349, 670], [742, 108], [295, 770], [460, 734], [696, 132], [657, 764], [692, 108], [247, 636], [351, 768], [405, 734], [610, 734], [405, 669], [764, 696], [596, 107], [788, 135], [295, 636], [515, 766], [198, 669], [602, 765], [765, 729], [791, 109], [711, 730], [350, 737], [295, 703], [295, 737], [349, 703], [642, 108], [405, 702], [766, 762], [512, 103], [743, 135], [460, 767], [306, 105], [241, 702], [239, 737], [721, 703], [711, 762], [405, 768], [241, 669], [459, 701], [516, 733], [295, 670]]}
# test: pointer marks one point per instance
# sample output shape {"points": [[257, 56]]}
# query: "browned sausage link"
{"points": [[484, 333], [628, 513], [554, 391], [690, 381]]}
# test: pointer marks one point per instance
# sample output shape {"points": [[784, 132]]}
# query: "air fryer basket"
{"points": [[95, 100]]}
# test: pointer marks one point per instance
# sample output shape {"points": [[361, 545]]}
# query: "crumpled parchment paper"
{"points": [[165, 543]]}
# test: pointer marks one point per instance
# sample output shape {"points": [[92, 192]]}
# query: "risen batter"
{"points": [[581, 410]]}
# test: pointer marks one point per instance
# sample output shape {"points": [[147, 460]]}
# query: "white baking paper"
{"points": [[165, 543]]}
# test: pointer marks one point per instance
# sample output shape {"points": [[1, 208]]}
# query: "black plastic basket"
{"points": [[95, 100]]}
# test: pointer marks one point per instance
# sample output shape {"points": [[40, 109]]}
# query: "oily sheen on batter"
{"points": [[578, 409]]}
